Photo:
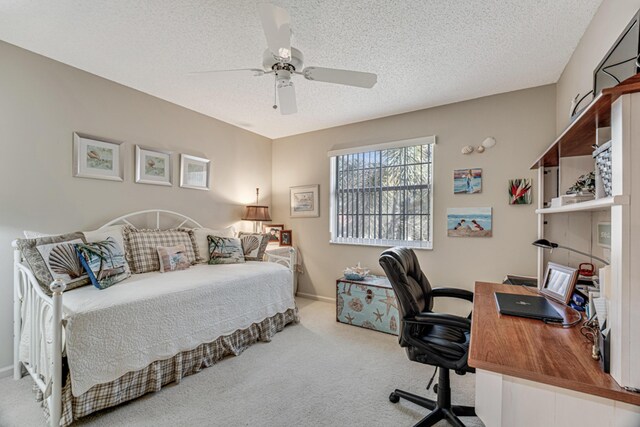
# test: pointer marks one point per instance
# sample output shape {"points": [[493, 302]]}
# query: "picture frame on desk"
{"points": [[559, 282]]}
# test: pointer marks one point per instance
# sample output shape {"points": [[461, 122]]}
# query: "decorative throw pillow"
{"points": [[141, 246], [254, 245], [225, 250], [172, 258], [113, 231], [54, 257], [202, 243], [104, 262]]}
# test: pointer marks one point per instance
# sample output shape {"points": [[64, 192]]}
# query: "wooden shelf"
{"points": [[591, 205], [535, 351], [580, 135]]}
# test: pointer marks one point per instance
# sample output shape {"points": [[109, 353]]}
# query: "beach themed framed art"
{"points": [[304, 201], [153, 166], [194, 172], [97, 158], [469, 222], [467, 181]]}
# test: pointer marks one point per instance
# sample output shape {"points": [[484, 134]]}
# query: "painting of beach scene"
{"points": [[520, 191], [469, 222], [467, 181]]}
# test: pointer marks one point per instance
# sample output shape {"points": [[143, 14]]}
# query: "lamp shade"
{"points": [[256, 213]]}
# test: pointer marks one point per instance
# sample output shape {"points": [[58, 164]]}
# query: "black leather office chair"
{"points": [[436, 339]]}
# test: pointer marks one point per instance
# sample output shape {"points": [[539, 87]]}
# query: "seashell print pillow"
{"points": [[254, 245], [225, 250], [54, 257], [104, 262], [173, 258]]}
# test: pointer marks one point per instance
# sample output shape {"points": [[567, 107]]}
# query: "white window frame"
{"points": [[333, 154]]}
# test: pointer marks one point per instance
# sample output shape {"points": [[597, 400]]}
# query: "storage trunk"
{"points": [[370, 303]]}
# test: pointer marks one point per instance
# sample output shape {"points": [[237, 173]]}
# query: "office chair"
{"points": [[437, 339]]}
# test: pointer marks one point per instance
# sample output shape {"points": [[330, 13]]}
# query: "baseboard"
{"points": [[7, 371], [316, 297]]}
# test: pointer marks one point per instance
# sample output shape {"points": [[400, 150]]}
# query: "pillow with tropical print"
{"points": [[104, 262], [173, 258], [225, 250]]}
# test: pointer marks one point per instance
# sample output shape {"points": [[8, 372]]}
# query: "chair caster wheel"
{"points": [[435, 388], [394, 398]]}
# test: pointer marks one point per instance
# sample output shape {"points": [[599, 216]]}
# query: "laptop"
{"points": [[531, 306]]}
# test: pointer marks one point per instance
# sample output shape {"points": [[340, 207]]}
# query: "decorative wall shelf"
{"points": [[591, 205]]}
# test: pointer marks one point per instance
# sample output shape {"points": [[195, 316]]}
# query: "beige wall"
{"points": [[523, 124], [577, 77], [43, 102]]}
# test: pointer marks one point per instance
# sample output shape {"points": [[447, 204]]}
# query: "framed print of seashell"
{"points": [[467, 149]]}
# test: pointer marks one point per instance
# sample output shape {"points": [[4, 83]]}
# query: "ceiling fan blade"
{"points": [[287, 97], [277, 29], [255, 71], [343, 77]]}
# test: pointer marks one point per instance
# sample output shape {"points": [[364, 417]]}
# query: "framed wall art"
{"points": [[467, 181], [469, 222], [153, 166], [194, 172], [97, 158], [286, 238], [304, 201], [520, 191]]}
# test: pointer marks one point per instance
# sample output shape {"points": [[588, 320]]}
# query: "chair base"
{"points": [[441, 409]]}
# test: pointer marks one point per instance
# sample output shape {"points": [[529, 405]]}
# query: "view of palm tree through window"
{"points": [[384, 195]]}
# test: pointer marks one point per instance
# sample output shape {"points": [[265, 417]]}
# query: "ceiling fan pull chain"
{"points": [[275, 94]]}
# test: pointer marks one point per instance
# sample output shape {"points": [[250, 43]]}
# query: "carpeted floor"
{"points": [[316, 373]]}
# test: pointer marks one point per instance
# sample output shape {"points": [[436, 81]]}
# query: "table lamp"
{"points": [[545, 244], [256, 213]]}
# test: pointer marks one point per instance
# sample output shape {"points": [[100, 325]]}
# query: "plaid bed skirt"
{"points": [[162, 372]]}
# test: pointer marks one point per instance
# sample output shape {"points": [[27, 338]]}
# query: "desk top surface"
{"points": [[533, 350]]}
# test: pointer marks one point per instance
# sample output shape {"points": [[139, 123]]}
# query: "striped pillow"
{"points": [[141, 247]]}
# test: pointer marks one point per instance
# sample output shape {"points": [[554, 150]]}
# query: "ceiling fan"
{"points": [[285, 61]]}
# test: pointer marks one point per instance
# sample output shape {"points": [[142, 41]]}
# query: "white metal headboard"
{"points": [[159, 213]]}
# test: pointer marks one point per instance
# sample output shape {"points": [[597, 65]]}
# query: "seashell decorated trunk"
{"points": [[370, 303]]}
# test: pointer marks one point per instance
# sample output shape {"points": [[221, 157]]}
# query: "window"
{"points": [[382, 195]]}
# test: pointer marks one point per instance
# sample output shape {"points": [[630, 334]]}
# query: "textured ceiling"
{"points": [[426, 53]]}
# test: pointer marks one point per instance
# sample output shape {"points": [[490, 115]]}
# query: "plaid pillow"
{"points": [[141, 247]]}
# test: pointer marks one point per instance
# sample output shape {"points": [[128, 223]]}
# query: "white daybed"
{"points": [[92, 349]]}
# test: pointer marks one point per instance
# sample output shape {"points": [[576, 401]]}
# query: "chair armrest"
{"points": [[444, 319], [452, 293]]}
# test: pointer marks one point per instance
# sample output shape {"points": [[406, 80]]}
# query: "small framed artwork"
{"points": [[604, 234], [467, 181], [304, 201], [273, 230], [286, 238], [194, 172], [520, 191], [559, 282], [153, 166], [469, 222], [97, 158]]}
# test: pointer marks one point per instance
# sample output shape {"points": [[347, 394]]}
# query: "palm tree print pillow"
{"points": [[225, 250], [104, 262]]}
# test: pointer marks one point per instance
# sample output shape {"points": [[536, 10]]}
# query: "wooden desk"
{"points": [[533, 350], [517, 348]]}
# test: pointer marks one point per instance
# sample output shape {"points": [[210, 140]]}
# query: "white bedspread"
{"points": [[154, 316]]}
